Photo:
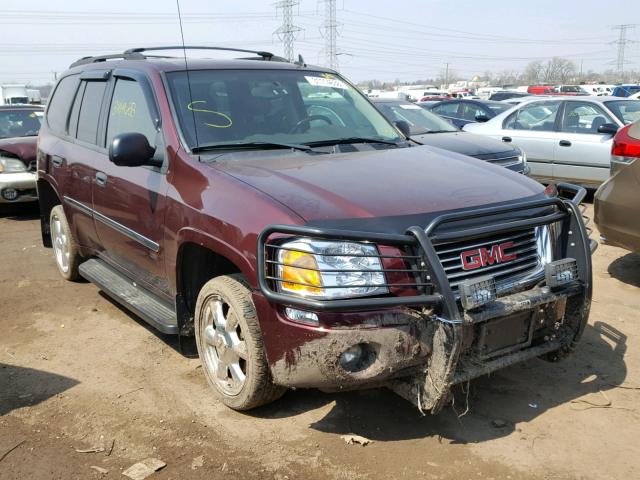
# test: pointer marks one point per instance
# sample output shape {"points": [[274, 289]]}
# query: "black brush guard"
{"points": [[435, 293]]}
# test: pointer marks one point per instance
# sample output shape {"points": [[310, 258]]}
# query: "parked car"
{"points": [[572, 90], [565, 138], [507, 94], [435, 98], [19, 126], [625, 90], [269, 210], [461, 112], [427, 128], [617, 201], [541, 90]]}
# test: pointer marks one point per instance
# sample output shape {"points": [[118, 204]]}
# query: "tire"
{"points": [[64, 245], [230, 344]]}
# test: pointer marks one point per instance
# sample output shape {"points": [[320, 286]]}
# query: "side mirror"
{"points": [[608, 128], [482, 118], [404, 127], [131, 150]]}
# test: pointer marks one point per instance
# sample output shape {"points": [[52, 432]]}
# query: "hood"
{"points": [[464, 143], [22, 147], [377, 183]]}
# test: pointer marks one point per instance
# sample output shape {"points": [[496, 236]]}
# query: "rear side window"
{"points": [[534, 116], [90, 111], [447, 109], [60, 103], [129, 112]]}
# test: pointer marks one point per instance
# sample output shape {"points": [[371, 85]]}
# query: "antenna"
{"points": [[186, 67]]}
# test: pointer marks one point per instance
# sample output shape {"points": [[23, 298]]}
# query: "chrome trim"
{"points": [[132, 234]]}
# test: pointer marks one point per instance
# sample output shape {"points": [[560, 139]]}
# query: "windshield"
{"points": [[420, 120], [276, 106], [627, 111], [19, 123]]}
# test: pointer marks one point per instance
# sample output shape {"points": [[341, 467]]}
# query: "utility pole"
{"points": [[446, 75], [330, 32], [622, 44], [287, 31]]}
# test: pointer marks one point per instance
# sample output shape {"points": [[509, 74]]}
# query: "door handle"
{"points": [[565, 143], [101, 178], [57, 161], [506, 139]]}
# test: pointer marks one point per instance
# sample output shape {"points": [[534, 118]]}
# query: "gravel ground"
{"points": [[77, 372]]}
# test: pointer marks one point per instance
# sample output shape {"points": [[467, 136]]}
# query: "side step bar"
{"points": [[135, 298]]}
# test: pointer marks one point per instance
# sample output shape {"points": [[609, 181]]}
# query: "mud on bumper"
{"points": [[436, 343]]}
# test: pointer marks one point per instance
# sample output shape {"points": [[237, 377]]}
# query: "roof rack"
{"points": [[104, 58], [137, 54], [264, 55]]}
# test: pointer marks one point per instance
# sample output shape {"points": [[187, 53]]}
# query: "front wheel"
{"points": [[230, 344], [64, 246]]}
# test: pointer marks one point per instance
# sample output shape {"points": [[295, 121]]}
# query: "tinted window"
{"points": [[129, 112], [19, 123], [90, 111], [540, 116], [470, 111], [448, 109], [583, 117], [60, 103], [75, 111]]}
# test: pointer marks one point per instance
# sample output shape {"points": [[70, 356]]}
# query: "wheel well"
{"points": [[47, 199], [196, 266]]}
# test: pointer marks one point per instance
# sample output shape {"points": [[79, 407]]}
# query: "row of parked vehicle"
{"points": [[300, 235]]}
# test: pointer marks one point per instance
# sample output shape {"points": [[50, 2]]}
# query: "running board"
{"points": [[127, 293]]}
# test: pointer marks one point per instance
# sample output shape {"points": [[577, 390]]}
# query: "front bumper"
{"points": [[426, 343], [20, 184]]}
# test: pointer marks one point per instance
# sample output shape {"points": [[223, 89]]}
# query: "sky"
{"points": [[377, 39]]}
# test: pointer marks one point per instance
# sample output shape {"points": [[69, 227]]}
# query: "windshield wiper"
{"points": [[250, 146], [344, 141]]}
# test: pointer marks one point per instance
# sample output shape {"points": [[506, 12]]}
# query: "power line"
{"points": [[287, 31], [622, 44]]}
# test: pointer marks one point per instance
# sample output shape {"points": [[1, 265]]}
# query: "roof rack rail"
{"points": [[137, 54], [260, 53], [103, 58]]}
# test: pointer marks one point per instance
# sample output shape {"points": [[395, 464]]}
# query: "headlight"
{"points": [[522, 156], [328, 270], [11, 165]]}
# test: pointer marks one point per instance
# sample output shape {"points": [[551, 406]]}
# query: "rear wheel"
{"points": [[230, 344], [64, 246]]}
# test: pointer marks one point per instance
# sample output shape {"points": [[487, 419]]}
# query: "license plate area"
{"points": [[504, 335]]}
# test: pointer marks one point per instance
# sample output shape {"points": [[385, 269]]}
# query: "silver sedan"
{"points": [[564, 138]]}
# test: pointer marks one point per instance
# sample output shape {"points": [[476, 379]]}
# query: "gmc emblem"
{"points": [[481, 257]]}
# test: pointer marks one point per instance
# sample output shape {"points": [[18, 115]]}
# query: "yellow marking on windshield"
{"points": [[213, 125]]}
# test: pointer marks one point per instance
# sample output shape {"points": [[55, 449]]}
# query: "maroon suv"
{"points": [[270, 211]]}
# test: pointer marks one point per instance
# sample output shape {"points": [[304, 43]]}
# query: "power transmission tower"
{"points": [[330, 32], [622, 43], [287, 31]]}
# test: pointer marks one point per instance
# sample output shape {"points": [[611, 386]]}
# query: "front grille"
{"points": [[505, 159], [525, 247]]}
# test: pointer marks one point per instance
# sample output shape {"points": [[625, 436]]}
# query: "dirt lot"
{"points": [[78, 372]]}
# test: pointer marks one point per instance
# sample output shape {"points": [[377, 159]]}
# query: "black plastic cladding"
{"points": [[576, 245]]}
